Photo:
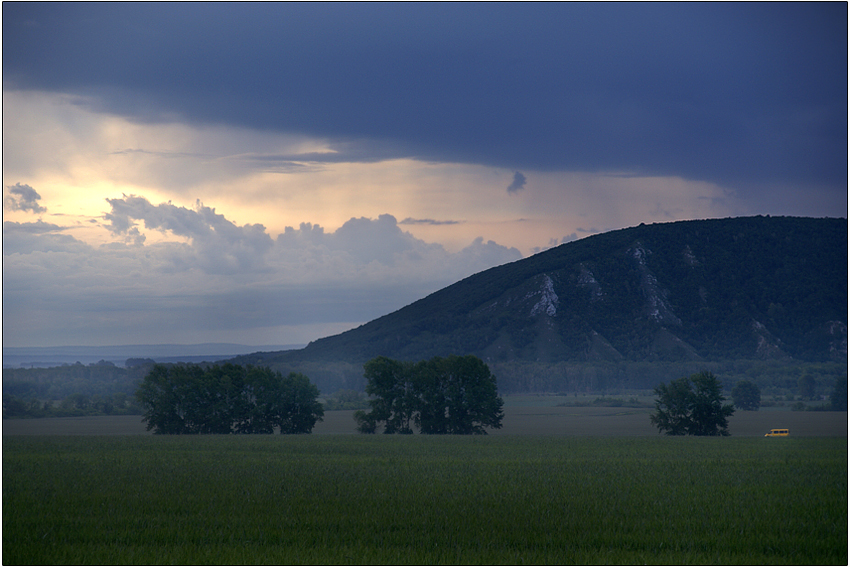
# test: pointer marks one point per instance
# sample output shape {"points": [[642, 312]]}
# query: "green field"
{"points": [[355, 499]]}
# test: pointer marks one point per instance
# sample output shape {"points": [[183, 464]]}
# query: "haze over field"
{"points": [[270, 174]]}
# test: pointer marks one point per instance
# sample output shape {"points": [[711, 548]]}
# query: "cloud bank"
{"points": [[208, 278]]}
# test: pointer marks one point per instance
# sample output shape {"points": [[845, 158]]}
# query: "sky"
{"points": [[273, 173]]}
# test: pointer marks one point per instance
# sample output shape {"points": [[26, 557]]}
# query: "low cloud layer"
{"points": [[207, 277], [431, 222]]}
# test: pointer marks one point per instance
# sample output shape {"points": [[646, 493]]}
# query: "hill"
{"points": [[46, 357], [755, 288]]}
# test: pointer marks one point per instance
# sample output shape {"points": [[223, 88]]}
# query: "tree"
{"points": [[432, 417], [13, 407], [252, 399], [395, 401], [691, 406], [297, 408], [746, 396], [182, 399], [161, 400], [459, 396], [453, 395], [673, 407]]}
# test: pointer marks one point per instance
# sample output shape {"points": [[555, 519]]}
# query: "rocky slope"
{"points": [[756, 287]]}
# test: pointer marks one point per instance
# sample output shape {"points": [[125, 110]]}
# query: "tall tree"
{"points": [[673, 407], [253, 399], [692, 406], [395, 398], [431, 385], [459, 396], [159, 394], [296, 406]]}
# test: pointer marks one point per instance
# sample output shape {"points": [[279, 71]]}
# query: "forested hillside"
{"points": [[691, 292]]}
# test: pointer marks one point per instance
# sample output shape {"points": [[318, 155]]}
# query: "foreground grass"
{"points": [[421, 500]]}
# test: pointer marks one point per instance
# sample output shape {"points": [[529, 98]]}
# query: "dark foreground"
{"points": [[340, 499]]}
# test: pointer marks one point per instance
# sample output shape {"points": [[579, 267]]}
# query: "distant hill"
{"points": [[771, 288], [45, 357]]}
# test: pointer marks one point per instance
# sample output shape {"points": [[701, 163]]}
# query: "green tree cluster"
{"points": [[227, 399], [453, 395], [692, 406]]}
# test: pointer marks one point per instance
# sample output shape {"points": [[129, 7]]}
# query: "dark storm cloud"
{"points": [[517, 184], [23, 198], [752, 94]]}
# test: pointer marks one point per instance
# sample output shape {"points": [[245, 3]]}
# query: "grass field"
{"points": [[355, 499]]}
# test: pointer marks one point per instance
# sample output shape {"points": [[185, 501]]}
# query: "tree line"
{"points": [[228, 398], [453, 395], [75, 405]]}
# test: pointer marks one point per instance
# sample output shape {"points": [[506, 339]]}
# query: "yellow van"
{"points": [[777, 433]]}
